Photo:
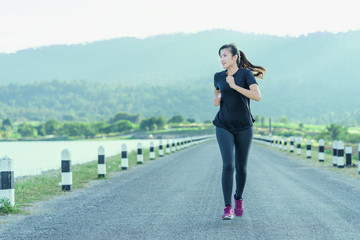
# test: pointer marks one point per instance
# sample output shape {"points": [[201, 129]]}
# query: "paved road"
{"points": [[179, 197]]}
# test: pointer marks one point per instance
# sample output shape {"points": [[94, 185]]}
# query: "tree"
{"points": [[160, 122], [335, 131], [135, 118], [88, 130], [41, 129], [51, 127], [191, 120], [284, 120], [148, 124], [177, 119], [153, 123], [71, 129], [27, 130], [6, 124], [101, 127], [121, 126]]}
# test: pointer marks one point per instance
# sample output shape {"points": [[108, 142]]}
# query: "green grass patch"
{"points": [[6, 208]]}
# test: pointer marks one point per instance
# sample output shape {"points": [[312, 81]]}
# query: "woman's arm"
{"points": [[217, 97], [253, 93]]}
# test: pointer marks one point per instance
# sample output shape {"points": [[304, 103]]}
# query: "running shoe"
{"points": [[228, 213], [238, 209]]}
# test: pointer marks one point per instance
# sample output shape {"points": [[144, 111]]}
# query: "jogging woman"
{"points": [[234, 87]]}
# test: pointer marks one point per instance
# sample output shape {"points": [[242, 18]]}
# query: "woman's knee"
{"points": [[241, 170], [228, 167]]}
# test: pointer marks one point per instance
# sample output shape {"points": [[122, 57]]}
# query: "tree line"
{"points": [[96, 101], [120, 123]]}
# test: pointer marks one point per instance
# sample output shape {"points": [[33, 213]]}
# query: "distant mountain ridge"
{"points": [[318, 71]]}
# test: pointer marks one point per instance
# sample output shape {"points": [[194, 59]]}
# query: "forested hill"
{"points": [[322, 57], [311, 78], [82, 101]]}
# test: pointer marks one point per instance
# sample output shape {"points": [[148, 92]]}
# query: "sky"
{"points": [[34, 23]]}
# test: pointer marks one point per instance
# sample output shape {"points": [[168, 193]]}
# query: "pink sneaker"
{"points": [[228, 213], [238, 209]]}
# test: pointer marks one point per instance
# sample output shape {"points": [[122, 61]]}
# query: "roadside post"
{"points": [[7, 179], [140, 157], [152, 152], [321, 150], [124, 158], [101, 162], [340, 154], [348, 152], [66, 173], [335, 153], [308, 148]]}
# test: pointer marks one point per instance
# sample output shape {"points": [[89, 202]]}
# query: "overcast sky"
{"points": [[34, 23]]}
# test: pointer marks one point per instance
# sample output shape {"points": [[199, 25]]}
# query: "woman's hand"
{"points": [[230, 80], [217, 97]]}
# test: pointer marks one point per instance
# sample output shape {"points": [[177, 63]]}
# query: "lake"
{"points": [[33, 157]]}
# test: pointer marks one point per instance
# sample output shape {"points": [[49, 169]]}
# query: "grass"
{"points": [[6, 208], [42, 187]]}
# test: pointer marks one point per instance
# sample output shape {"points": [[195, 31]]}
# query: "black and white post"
{"points": [[101, 162], [173, 146], [335, 153], [161, 150], [152, 152], [285, 144], [177, 144], [7, 180], [348, 153], [291, 144], [66, 173], [308, 148], [168, 146], [298, 146], [340, 154], [140, 157], [124, 158], [187, 142], [321, 150]]}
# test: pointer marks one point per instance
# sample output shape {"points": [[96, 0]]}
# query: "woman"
{"points": [[234, 87]]}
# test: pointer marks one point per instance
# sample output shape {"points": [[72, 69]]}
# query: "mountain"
{"points": [[310, 78]]}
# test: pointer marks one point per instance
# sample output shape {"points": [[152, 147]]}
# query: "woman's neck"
{"points": [[231, 70]]}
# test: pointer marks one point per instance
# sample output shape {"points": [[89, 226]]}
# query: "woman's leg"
{"points": [[226, 144], [242, 146]]}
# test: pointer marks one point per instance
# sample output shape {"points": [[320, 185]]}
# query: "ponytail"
{"points": [[243, 61], [258, 71]]}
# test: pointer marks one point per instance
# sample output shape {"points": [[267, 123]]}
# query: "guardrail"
{"points": [[341, 153], [7, 182]]}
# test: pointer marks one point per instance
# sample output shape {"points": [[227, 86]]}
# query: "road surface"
{"points": [[179, 197]]}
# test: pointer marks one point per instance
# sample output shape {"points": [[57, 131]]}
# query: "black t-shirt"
{"points": [[234, 114]]}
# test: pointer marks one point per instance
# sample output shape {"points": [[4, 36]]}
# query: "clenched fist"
{"points": [[217, 99], [230, 80]]}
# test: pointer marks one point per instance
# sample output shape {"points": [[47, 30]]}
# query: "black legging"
{"points": [[227, 141]]}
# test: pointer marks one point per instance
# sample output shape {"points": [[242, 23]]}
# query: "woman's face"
{"points": [[226, 59]]}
